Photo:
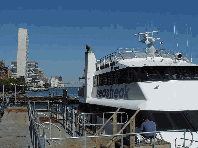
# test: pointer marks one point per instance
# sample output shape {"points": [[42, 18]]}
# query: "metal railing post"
{"points": [[35, 140], [71, 122], [44, 139], [3, 95], [121, 117], [33, 136], [184, 138], [73, 126], [31, 129], [122, 142], [15, 93], [48, 105], [50, 111], [50, 129], [65, 109], [175, 142], [103, 118], [154, 140], [85, 131], [56, 110]]}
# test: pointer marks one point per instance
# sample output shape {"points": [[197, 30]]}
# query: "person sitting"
{"points": [[148, 126]]}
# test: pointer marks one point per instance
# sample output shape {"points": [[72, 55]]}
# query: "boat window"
{"points": [[94, 82], [108, 78], [179, 120], [143, 74], [100, 79], [113, 77], [104, 79], [130, 75], [112, 64], [117, 77], [166, 76], [154, 75], [148, 73], [195, 75], [186, 73], [178, 74], [162, 121], [157, 75], [136, 77], [123, 76], [171, 72], [141, 115], [107, 65], [192, 117]]}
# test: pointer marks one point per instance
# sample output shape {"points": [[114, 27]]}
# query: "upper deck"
{"points": [[142, 54], [138, 54]]}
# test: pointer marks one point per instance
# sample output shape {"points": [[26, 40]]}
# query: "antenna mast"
{"points": [[147, 42]]}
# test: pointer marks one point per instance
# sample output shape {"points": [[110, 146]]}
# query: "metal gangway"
{"points": [[75, 124]]}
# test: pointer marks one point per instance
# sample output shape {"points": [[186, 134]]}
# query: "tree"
{"points": [[46, 85]]}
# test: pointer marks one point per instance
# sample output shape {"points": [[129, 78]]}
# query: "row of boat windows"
{"points": [[151, 73], [105, 65], [173, 120]]}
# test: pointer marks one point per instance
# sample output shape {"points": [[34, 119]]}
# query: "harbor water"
{"points": [[72, 91]]}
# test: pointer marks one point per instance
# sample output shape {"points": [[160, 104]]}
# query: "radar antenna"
{"points": [[147, 42]]}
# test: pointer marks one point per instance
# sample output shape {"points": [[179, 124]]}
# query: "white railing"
{"points": [[129, 53]]}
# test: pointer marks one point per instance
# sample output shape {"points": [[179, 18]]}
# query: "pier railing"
{"points": [[153, 142], [39, 137]]}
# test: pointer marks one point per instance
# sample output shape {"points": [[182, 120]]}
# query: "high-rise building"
{"points": [[56, 77], [22, 52], [13, 68], [2, 63], [40, 74], [60, 78], [32, 72], [3, 70]]}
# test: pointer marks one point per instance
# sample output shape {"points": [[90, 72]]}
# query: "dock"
{"points": [[48, 128], [68, 128], [14, 128], [23, 99]]}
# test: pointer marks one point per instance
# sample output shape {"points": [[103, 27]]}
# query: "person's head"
{"points": [[145, 119]]}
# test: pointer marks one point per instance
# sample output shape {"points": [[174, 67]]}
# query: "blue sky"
{"points": [[59, 30]]}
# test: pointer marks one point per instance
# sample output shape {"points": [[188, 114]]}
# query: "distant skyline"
{"points": [[59, 31]]}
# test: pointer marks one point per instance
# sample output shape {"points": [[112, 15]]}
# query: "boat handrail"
{"points": [[130, 53]]}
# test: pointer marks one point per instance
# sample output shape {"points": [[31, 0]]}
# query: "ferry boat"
{"points": [[162, 85]]}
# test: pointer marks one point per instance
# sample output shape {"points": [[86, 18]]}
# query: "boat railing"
{"points": [[129, 53]]}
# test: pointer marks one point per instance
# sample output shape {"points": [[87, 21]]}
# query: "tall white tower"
{"points": [[22, 52]]}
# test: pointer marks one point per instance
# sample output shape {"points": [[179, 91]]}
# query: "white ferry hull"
{"points": [[173, 95]]}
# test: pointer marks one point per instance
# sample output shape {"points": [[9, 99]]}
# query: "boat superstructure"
{"points": [[136, 79], [163, 84]]}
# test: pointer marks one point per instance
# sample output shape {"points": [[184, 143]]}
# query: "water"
{"points": [[72, 91]]}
